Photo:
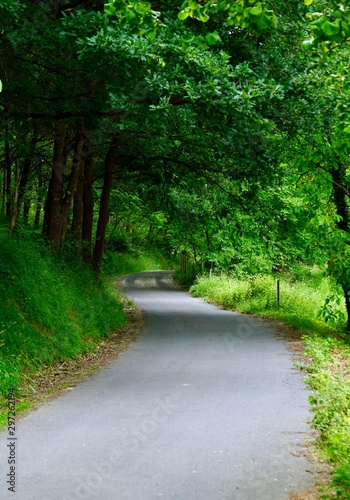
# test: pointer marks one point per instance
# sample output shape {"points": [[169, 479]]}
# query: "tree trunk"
{"points": [[8, 176], [88, 210], [4, 186], [53, 215], [78, 158], [47, 208], [60, 200], [39, 200], [77, 222], [340, 201], [339, 194], [26, 210], [64, 229], [346, 290], [14, 200], [37, 213], [14, 213], [26, 170], [104, 204]]}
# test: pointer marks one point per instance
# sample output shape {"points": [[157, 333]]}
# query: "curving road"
{"points": [[204, 406]]}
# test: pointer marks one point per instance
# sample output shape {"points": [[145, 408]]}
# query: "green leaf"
{"points": [[193, 5], [327, 28], [264, 22], [331, 29], [308, 2], [217, 7], [234, 19], [0, 86], [257, 10], [200, 42], [202, 16], [142, 8], [183, 15], [110, 9], [212, 38], [151, 34]]}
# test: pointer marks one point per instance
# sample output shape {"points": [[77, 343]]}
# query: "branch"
{"points": [[68, 114], [201, 173], [174, 100]]}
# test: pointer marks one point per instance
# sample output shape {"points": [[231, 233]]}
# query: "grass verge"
{"points": [[327, 366], [50, 310]]}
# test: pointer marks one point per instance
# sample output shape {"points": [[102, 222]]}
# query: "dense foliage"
{"points": [[219, 131], [207, 127]]}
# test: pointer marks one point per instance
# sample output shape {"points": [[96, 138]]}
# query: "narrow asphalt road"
{"points": [[204, 406]]}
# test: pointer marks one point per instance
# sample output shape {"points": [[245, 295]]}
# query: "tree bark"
{"points": [[59, 199], [77, 221], [47, 208], [88, 210], [26, 210], [53, 216], [7, 176], [39, 200], [104, 204], [25, 173], [339, 194], [78, 157], [14, 213], [14, 200], [340, 201]]}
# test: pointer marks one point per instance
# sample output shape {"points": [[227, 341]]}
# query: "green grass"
{"points": [[312, 303], [328, 369], [20, 407], [302, 299], [50, 310]]}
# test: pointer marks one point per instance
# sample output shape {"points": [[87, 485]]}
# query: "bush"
{"points": [[300, 301], [329, 380], [341, 481]]}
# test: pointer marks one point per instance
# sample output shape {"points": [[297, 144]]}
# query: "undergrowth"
{"points": [[305, 300], [313, 303], [329, 380]]}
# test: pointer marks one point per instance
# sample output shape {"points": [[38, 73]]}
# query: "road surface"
{"points": [[204, 406]]}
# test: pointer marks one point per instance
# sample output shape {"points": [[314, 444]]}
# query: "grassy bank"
{"points": [[50, 310], [313, 304], [328, 377], [54, 309]]}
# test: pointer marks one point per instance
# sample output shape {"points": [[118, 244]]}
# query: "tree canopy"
{"points": [[216, 129]]}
